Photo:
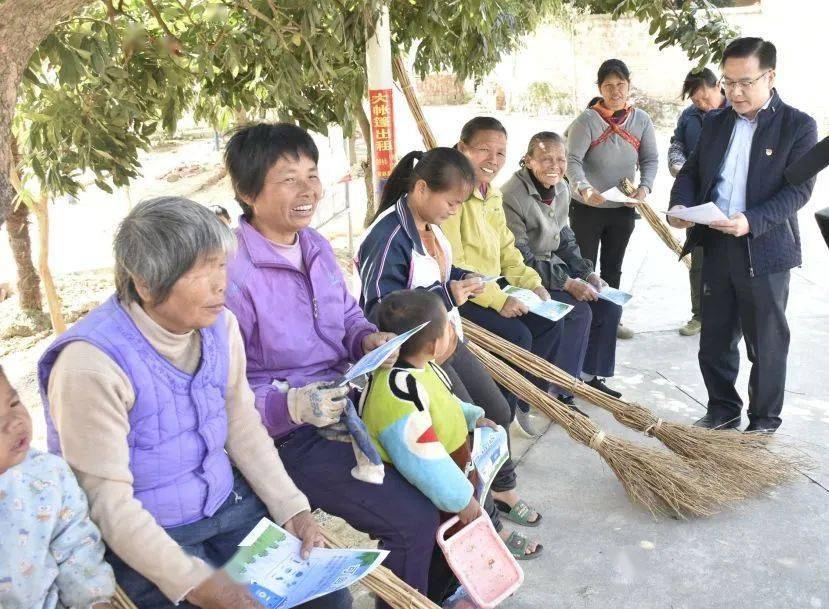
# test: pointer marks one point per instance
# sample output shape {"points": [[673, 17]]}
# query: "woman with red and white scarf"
{"points": [[609, 141]]}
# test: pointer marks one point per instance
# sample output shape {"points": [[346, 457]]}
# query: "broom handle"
{"points": [[549, 372], [384, 583], [661, 228], [121, 600]]}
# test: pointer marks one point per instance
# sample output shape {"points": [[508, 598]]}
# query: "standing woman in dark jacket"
{"points": [[705, 93], [536, 202], [405, 248], [609, 141]]}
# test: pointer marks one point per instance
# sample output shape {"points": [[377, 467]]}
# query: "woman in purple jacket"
{"points": [[302, 329]]}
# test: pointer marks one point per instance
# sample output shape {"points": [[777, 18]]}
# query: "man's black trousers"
{"points": [[735, 304]]}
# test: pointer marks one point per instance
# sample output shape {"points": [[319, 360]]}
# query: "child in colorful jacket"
{"points": [[411, 414], [419, 426], [53, 554]]}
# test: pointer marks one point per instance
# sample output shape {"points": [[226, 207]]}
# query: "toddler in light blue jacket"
{"points": [[52, 556]]}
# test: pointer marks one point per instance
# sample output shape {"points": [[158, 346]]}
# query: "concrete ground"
{"points": [[603, 552]]}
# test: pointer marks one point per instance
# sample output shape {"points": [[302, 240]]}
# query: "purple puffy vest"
{"points": [[178, 424]]}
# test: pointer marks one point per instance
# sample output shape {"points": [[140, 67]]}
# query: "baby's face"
{"points": [[15, 427]]}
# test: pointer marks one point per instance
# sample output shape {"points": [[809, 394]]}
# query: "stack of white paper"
{"points": [[699, 214], [617, 196]]}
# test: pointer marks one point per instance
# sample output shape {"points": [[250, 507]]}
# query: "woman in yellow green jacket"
{"points": [[482, 242]]}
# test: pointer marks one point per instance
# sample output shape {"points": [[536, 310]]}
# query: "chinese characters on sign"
{"points": [[382, 132]]}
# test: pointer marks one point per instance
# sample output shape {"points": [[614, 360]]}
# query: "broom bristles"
{"points": [[661, 481], [386, 584], [743, 463]]}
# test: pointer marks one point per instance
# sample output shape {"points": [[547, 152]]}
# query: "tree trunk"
{"points": [[41, 209], [23, 25], [368, 176], [28, 283]]}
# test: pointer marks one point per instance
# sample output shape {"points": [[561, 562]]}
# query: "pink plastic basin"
{"points": [[481, 561]]}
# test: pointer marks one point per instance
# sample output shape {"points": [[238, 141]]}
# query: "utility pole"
{"points": [[381, 101]]}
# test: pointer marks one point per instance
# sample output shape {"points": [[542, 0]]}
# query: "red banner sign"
{"points": [[382, 131]]}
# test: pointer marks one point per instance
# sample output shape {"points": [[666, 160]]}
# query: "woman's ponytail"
{"points": [[399, 181]]}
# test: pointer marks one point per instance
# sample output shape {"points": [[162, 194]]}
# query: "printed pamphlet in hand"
{"points": [[269, 562], [373, 360], [489, 452], [699, 214], [613, 295], [617, 196], [551, 309]]}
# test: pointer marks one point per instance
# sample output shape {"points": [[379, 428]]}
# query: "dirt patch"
{"points": [[79, 293]]}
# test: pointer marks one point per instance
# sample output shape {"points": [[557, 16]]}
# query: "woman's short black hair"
{"points": [[478, 124], [611, 67], [542, 137], [403, 310], [765, 51], [253, 149], [696, 79]]}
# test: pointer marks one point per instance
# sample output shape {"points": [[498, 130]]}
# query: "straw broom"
{"points": [[657, 224], [386, 584], [661, 481], [743, 462]]}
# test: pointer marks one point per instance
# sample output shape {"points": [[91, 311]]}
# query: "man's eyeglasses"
{"points": [[744, 84]]}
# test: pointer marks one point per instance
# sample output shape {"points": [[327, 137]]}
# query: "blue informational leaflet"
{"points": [[551, 309], [613, 295], [373, 360], [269, 562], [489, 452]]}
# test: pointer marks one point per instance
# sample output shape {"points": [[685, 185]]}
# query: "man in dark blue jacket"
{"points": [[738, 164]]}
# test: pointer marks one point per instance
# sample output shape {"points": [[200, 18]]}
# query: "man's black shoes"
{"points": [[598, 383], [570, 401], [712, 422]]}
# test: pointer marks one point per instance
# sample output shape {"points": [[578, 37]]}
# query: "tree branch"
{"points": [[259, 15], [110, 10], [186, 10], [159, 18]]}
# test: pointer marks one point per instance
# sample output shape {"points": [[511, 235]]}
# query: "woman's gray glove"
{"points": [[319, 404]]}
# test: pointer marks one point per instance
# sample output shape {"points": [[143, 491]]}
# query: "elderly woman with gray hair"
{"points": [[148, 401], [536, 202]]}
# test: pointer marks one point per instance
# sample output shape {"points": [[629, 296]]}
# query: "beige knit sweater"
{"points": [[90, 399]]}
